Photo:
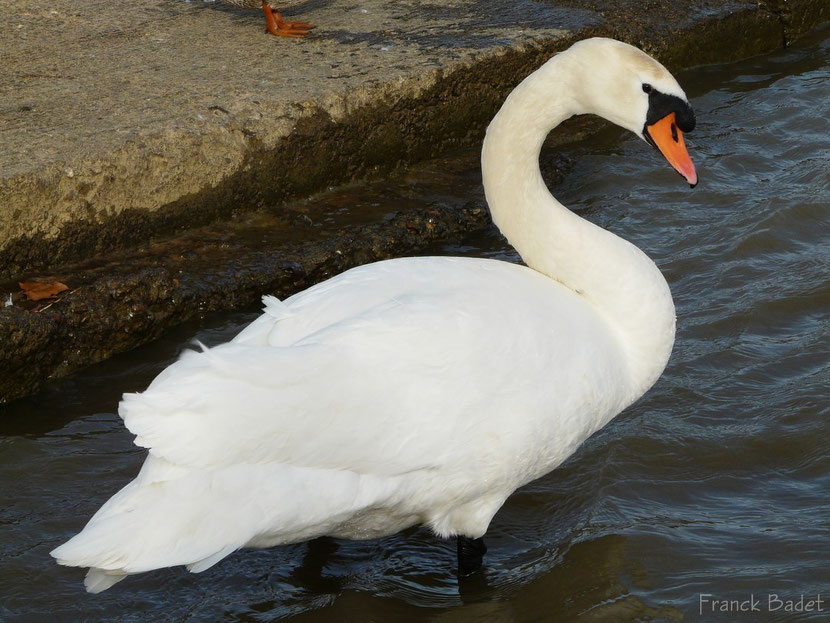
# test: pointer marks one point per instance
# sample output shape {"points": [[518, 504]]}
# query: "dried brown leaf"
{"points": [[39, 290]]}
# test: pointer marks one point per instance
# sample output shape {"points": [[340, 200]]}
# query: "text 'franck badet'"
{"points": [[771, 602]]}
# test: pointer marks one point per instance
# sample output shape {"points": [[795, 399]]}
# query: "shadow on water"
{"points": [[714, 483], [99, 387]]}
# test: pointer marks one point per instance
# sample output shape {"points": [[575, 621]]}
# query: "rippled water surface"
{"points": [[716, 482]]}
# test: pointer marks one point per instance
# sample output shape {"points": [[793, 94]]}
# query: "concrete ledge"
{"points": [[115, 134], [120, 127]]}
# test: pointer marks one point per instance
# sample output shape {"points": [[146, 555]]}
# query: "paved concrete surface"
{"points": [[126, 121], [110, 108]]}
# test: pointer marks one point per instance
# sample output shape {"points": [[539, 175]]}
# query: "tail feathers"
{"points": [[99, 580], [138, 542], [207, 563], [173, 516], [160, 523], [98, 545]]}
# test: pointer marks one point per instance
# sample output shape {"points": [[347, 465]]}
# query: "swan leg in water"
{"points": [[470, 555], [414, 391], [275, 25]]}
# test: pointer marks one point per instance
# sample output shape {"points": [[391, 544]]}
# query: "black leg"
{"points": [[470, 555], [310, 571]]}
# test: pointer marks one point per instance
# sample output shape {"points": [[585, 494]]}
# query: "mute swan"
{"points": [[416, 390]]}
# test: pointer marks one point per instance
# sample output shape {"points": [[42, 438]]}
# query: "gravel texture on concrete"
{"points": [[124, 121], [125, 124], [121, 122]]}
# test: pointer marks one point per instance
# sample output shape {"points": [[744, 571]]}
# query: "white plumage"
{"points": [[417, 390]]}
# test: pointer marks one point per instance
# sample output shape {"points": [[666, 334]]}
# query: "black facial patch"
{"points": [[660, 105]]}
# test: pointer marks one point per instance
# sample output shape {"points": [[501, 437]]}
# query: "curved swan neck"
{"points": [[613, 275]]}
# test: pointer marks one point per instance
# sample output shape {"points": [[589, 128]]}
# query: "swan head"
{"points": [[626, 86]]}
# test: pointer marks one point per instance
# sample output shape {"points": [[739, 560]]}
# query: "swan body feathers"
{"points": [[409, 391]]}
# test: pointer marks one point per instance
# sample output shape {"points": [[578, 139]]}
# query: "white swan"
{"points": [[417, 390]]}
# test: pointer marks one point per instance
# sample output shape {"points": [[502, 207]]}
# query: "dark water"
{"points": [[715, 483]]}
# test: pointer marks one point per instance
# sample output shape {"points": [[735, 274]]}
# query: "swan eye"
{"points": [[647, 88]]}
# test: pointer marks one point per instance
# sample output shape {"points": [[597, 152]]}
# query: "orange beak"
{"points": [[668, 139]]}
